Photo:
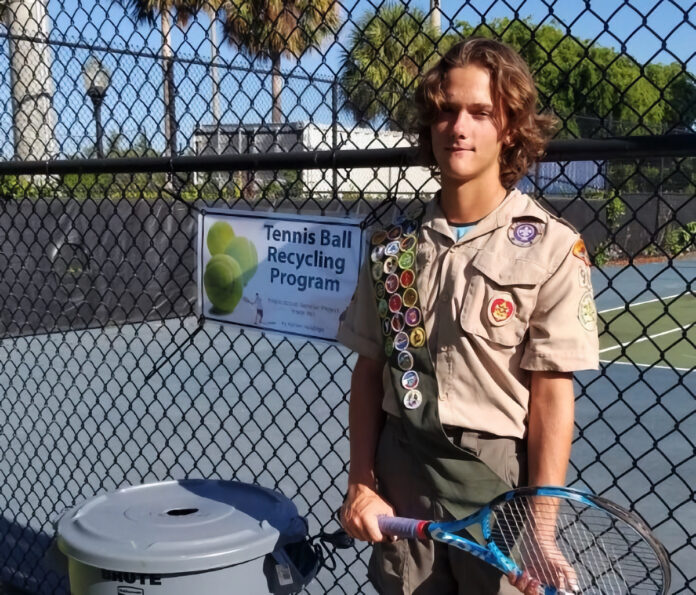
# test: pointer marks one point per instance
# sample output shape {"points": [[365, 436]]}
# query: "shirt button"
{"points": [[441, 396], [444, 297]]}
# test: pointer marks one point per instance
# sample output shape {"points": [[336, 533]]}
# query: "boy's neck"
{"points": [[470, 201]]}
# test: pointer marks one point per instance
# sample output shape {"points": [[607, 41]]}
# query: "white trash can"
{"points": [[200, 537]]}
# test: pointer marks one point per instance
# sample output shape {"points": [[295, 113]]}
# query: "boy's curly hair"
{"points": [[514, 95]]}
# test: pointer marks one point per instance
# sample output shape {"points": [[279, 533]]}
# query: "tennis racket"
{"points": [[570, 541]]}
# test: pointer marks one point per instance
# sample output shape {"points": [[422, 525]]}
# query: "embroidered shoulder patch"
{"points": [[580, 251], [525, 233], [587, 313]]}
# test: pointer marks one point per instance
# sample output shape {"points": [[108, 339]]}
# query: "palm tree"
{"points": [[386, 52], [181, 10], [273, 29]]}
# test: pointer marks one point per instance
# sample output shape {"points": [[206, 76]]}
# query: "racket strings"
{"points": [[573, 546]]}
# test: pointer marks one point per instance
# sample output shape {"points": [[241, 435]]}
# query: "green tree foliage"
{"points": [[581, 82], [386, 53], [273, 29], [115, 186]]}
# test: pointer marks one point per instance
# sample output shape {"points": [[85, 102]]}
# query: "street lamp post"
{"points": [[96, 79]]}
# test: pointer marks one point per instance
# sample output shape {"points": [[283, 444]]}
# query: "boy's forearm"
{"points": [[550, 435], [365, 420]]}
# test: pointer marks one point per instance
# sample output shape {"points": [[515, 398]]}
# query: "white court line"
{"points": [[635, 341], [659, 299], [606, 361]]}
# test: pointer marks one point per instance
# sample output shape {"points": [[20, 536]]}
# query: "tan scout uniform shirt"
{"points": [[483, 358]]}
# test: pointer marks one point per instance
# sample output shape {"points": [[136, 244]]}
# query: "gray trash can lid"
{"points": [[179, 526]]}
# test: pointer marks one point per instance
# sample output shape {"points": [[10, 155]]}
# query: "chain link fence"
{"points": [[108, 375]]}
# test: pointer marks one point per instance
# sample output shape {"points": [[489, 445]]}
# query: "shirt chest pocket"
{"points": [[500, 298]]}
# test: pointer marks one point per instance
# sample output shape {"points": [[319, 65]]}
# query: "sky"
{"points": [[649, 31]]}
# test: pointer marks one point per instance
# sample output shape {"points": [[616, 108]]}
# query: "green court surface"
{"points": [[651, 333]]}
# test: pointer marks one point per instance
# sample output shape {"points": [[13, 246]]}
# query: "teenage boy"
{"points": [[468, 323]]}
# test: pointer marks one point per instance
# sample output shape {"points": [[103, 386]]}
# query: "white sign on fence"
{"points": [[290, 274]]}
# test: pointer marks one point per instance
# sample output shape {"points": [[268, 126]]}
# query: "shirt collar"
{"points": [[514, 204]]}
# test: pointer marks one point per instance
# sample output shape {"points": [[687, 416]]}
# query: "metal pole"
{"points": [[171, 107], [97, 97], [334, 133]]}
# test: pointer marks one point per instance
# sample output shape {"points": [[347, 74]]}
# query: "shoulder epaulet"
{"points": [[534, 204]]}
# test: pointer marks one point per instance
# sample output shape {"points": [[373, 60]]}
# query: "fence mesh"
{"points": [[108, 376]]}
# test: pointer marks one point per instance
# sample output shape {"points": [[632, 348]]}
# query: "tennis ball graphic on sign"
{"points": [[219, 235], [223, 282], [244, 252]]}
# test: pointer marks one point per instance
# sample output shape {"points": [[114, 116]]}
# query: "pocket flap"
{"points": [[518, 271]]}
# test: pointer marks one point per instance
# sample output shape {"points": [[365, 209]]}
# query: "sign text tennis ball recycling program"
{"points": [[232, 264]]}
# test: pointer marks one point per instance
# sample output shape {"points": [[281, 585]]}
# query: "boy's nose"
{"points": [[461, 125]]}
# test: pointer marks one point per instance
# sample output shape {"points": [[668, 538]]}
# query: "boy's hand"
{"points": [[360, 511]]}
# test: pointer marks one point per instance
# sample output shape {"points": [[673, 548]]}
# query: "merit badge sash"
{"points": [[462, 481]]}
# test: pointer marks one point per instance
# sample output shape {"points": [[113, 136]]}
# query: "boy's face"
{"points": [[466, 142]]}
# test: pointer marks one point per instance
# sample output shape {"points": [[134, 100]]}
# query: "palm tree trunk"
{"points": [[277, 87], [214, 57]]}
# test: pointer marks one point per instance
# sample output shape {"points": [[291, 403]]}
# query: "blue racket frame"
{"points": [[445, 531]]}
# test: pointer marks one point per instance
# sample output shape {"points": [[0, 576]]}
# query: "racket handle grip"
{"points": [[401, 527]]}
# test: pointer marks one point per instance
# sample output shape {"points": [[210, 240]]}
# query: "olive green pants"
{"points": [[412, 567]]}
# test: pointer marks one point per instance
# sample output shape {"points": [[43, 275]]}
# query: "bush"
{"points": [[680, 240]]}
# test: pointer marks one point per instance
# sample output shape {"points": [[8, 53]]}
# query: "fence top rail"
{"points": [[633, 147]]}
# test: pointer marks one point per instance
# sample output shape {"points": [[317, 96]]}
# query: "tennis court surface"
{"points": [[651, 333]]}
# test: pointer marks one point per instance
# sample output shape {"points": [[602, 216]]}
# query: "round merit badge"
{"points": [[377, 270], [587, 312], [407, 278], [401, 341], [397, 322], [391, 284], [406, 260], [413, 399], [410, 297], [377, 253], [394, 233], [407, 243], [378, 237], [418, 337], [390, 265], [395, 303], [404, 360], [412, 316], [500, 309], [392, 248], [524, 233], [409, 380], [389, 346], [379, 289], [382, 308]]}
